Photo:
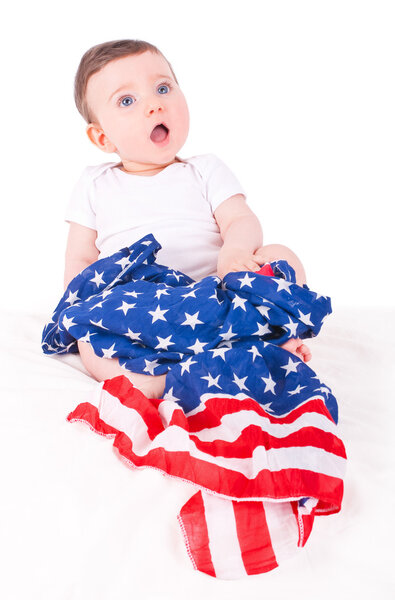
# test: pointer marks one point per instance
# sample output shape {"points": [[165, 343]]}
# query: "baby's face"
{"points": [[129, 97]]}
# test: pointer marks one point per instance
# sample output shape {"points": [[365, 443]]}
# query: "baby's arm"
{"points": [[241, 232], [80, 251], [243, 251]]}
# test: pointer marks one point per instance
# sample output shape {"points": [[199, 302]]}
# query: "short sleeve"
{"points": [[221, 182], [79, 207]]}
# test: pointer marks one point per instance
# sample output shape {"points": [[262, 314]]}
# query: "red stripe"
{"points": [[89, 414], [254, 537], [194, 527], [252, 436], [216, 408], [122, 388], [283, 484]]}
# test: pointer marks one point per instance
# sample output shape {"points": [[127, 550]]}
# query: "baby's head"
{"points": [[123, 89]]}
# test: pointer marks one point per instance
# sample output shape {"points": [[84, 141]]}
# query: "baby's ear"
{"points": [[99, 138]]}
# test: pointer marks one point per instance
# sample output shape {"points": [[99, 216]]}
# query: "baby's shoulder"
{"points": [[205, 163], [91, 172], [203, 159]]}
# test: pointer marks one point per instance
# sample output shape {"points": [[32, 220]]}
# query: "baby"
{"points": [[128, 94]]}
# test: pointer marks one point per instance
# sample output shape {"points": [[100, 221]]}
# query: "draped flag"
{"points": [[246, 421]]}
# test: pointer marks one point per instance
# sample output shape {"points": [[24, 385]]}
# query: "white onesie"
{"points": [[176, 205]]}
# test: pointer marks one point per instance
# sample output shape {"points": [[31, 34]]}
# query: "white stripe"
{"points": [[233, 424], [240, 396], [223, 540], [175, 439], [283, 529]]}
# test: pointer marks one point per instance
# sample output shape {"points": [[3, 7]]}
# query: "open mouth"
{"points": [[159, 133]]}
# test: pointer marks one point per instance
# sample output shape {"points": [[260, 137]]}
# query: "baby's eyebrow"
{"points": [[131, 84]]}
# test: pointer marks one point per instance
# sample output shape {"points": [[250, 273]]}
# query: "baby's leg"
{"points": [[105, 368], [273, 252]]}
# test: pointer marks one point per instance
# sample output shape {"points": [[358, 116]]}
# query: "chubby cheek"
{"points": [[127, 137], [182, 120]]}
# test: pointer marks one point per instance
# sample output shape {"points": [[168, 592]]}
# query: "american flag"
{"points": [[247, 422]]}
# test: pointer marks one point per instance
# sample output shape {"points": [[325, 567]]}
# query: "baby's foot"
{"points": [[297, 347]]}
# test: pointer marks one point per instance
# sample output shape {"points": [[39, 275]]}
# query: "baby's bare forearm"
{"points": [[72, 269]]}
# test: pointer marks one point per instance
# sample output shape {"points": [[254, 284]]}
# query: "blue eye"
{"points": [[163, 85], [126, 98]]}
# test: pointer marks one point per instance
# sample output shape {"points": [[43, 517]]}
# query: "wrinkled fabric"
{"points": [[246, 421]]}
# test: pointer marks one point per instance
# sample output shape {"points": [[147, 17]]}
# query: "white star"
{"points": [[291, 326], [282, 284], [87, 337], [270, 384], [197, 346], [97, 278], [305, 318], [185, 366], [134, 294], [72, 297], [67, 322], [98, 305], [158, 314], [246, 280], [240, 381], [239, 302], [191, 293], [98, 323], [125, 307], [212, 381], [264, 310], [296, 390], [323, 389], [169, 395], [291, 367], [133, 335], [108, 352], [106, 293], [255, 352], [161, 291], [191, 320], [123, 262], [229, 334], [219, 352], [150, 365], [227, 343], [164, 342], [176, 275], [262, 329]]}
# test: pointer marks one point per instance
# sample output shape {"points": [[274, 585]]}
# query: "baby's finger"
{"points": [[304, 352]]}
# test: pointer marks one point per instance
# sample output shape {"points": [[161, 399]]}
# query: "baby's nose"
{"points": [[154, 106]]}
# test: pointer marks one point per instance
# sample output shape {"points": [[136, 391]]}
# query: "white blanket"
{"points": [[76, 523]]}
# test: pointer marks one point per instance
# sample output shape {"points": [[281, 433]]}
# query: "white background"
{"points": [[297, 97]]}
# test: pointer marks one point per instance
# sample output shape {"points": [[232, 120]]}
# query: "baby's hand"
{"points": [[297, 347], [232, 259]]}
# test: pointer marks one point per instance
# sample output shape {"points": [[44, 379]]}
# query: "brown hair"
{"points": [[96, 58]]}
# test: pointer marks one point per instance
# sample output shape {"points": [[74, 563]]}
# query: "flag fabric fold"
{"points": [[245, 421]]}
